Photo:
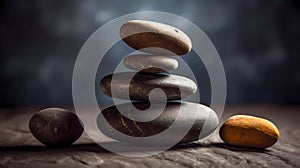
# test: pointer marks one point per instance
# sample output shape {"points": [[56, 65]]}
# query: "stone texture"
{"points": [[249, 131], [174, 86], [20, 149], [154, 37], [55, 127], [150, 63], [205, 121]]}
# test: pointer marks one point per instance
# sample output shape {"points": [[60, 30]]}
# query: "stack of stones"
{"points": [[57, 127], [158, 41]]}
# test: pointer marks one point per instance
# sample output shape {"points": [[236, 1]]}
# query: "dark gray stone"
{"points": [[55, 127], [193, 113], [175, 87], [150, 63]]}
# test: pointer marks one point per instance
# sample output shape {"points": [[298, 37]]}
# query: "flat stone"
{"points": [[203, 122], [154, 37], [150, 63], [174, 87], [55, 127]]}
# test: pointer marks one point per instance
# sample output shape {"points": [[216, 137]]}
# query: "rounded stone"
{"points": [[249, 131], [174, 87], [150, 63], [203, 122], [55, 127], [154, 37]]}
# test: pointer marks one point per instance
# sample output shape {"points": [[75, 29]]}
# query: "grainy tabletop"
{"points": [[20, 149]]}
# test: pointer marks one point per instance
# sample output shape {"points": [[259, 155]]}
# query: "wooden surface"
{"points": [[19, 148]]}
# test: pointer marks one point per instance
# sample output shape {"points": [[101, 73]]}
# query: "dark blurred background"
{"points": [[258, 42]]}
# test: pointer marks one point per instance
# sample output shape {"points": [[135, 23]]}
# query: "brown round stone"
{"points": [[175, 87], [55, 127], [150, 63], [154, 37]]}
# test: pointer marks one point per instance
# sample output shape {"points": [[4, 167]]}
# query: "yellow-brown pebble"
{"points": [[249, 131]]}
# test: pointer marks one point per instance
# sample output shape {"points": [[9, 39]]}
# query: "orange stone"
{"points": [[249, 131]]}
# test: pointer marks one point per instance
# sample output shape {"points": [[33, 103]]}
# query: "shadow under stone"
{"points": [[34, 148], [238, 148], [94, 147]]}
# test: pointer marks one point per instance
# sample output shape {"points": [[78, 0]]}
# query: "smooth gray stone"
{"points": [[150, 63], [55, 127], [204, 118], [175, 87]]}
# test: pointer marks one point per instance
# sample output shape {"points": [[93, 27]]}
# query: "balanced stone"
{"points": [[55, 127], [201, 120], [249, 131], [139, 87], [154, 37], [150, 63]]}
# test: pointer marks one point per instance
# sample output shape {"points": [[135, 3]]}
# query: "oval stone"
{"points": [[249, 131], [150, 63], [154, 37], [55, 127], [174, 86], [201, 119]]}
